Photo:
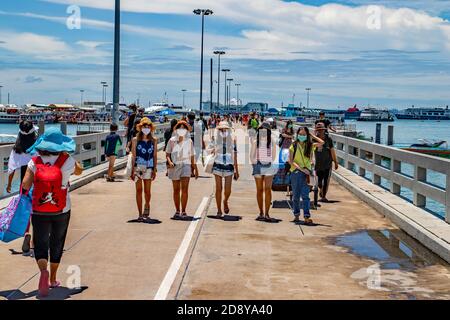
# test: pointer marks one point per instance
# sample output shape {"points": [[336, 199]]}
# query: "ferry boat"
{"points": [[9, 114], [372, 114], [424, 114], [352, 113]]}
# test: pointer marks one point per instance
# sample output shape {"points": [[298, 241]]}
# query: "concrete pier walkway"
{"points": [[351, 253]]}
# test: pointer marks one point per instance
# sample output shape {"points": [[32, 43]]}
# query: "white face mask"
{"points": [[181, 132], [146, 131]]}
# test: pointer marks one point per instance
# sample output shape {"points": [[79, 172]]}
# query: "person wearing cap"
{"points": [[325, 157], [325, 121], [51, 209], [225, 165], [112, 144], [180, 157], [262, 157], [300, 157], [144, 152]]}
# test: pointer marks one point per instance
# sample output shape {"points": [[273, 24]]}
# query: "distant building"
{"points": [[256, 107]]}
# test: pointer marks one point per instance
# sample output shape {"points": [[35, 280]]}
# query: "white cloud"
{"points": [[279, 29], [50, 48]]}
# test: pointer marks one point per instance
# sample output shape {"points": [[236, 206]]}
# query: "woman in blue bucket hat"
{"points": [[48, 172]]}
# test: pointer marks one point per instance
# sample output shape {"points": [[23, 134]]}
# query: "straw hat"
{"points": [[224, 125], [145, 121], [182, 122]]}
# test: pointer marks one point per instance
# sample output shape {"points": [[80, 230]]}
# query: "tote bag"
{"points": [[14, 219]]}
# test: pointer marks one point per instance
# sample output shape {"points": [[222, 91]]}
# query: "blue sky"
{"points": [[393, 55]]}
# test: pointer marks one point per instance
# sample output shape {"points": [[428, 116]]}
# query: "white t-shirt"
{"points": [[67, 170], [180, 152]]}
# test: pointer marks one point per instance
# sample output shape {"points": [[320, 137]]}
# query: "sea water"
{"points": [[409, 132]]}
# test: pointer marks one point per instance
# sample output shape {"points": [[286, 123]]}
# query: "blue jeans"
{"points": [[300, 189]]}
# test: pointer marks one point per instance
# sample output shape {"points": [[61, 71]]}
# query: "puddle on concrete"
{"points": [[400, 265], [392, 249]]}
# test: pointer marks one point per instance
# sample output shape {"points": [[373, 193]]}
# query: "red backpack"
{"points": [[48, 194]]}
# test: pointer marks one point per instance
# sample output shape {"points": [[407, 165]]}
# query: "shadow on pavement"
{"points": [[186, 218], [147, 221], [60, 293], [226, 218], [302, 223]]}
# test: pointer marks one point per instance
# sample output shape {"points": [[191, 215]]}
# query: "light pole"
{"points": [[229, 92], [211, 86], [184, 92], [81, 99], [225, 86], [237, 92], [203, 13], [307, 97], [103, 83], [1, 94], [116, 83], [105, 87], [218, 53]]}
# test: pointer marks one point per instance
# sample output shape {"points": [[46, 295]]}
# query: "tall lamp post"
{"points": [[81, 98], [229, 92], [184, 93], [116, 83], [1, 94], [218, 53], [103, 83], [237, 92], [307, 97], [202, 13], [225, 86]]}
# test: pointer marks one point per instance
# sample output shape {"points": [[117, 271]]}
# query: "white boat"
{"points": [[157, 107], [372, 114], [9, 115]]}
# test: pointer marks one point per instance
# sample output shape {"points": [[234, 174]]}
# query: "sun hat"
{"points": [[53, 140], [320, 126], [270, 120], [182, 122], [145, 121], [223, 125]]}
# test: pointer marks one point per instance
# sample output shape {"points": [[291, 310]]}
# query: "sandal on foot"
{"points": [[26, 244], [176, 215], [226, 208], [146, 213], [55, 284], [260, 218], [140, 219]]}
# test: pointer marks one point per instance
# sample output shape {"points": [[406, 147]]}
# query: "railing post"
{"points": [[361, 155], [376, 179], [396, 167], [420, 174]]}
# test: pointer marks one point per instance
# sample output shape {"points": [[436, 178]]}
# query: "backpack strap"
{"points": [[61, 160], [37, 160]]}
